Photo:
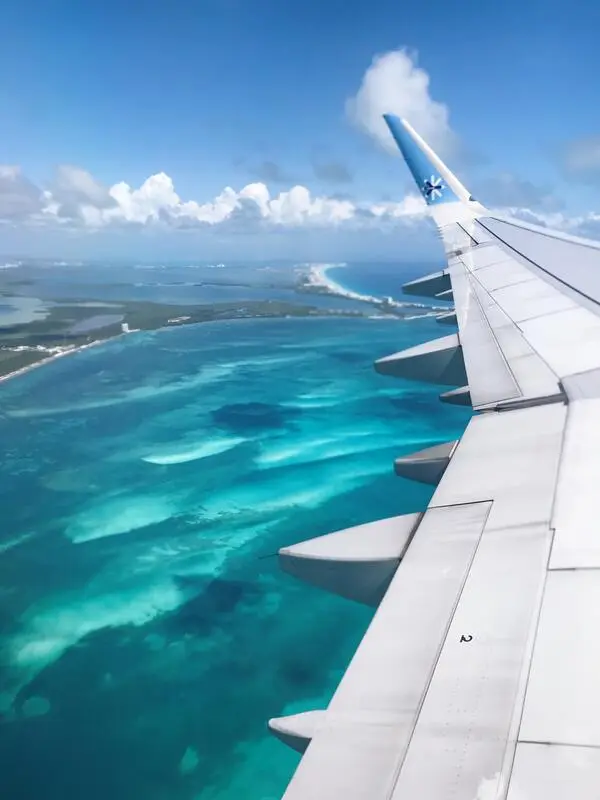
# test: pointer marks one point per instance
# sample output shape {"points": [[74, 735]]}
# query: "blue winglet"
{"points": [[432, 186]]}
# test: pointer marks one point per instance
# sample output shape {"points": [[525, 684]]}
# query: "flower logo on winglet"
{"points": [[433, 188]]}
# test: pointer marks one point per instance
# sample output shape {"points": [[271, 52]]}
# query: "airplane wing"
{"points": [[479, 676]]}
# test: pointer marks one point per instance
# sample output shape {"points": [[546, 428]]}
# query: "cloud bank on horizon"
{"points": [[394, 82], [81, 200]]}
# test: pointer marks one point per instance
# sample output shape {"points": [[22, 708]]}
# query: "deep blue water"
{"points": [[146, 633], [380, 279]]}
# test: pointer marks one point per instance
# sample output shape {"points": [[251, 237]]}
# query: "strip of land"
{"points": [[72, 325]]}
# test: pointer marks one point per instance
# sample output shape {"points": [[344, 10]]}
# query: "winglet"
{"points": [[436, 182]]}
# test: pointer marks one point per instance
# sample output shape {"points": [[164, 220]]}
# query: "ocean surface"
{"points": [[379, 279], [146, 632], [29, 288], [171, 283]]}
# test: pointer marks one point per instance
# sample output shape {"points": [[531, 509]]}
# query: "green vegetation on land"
{"points": [[55, 330]]}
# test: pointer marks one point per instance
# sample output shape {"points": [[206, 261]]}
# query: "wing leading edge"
{"points": [[478, 676]]}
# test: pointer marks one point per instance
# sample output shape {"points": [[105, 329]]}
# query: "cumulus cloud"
{"points": [[76, 184], [395, 84], [584, 225], [156, 200], [76, 194], [412, 207], [19, 197], [587, 226], [75, 198]]}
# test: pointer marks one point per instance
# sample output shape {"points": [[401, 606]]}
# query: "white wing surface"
{"points": [[479, 676]]}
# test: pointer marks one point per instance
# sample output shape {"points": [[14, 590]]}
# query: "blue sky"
{"points": [[231, 93]]}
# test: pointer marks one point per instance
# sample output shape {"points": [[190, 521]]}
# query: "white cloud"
{"points": [[412, 207], [19, 198], [584, 225], [553, 219], [84, 202], [395, 84], [76, 200], [73, 184], [297, 207]]}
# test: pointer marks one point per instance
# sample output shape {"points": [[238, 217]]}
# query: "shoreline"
{"points": [[314, 313], [67, 352], [318, 280], [313, 279]]}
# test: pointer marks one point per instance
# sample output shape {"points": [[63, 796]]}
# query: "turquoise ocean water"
{"points": [[146, 633]]}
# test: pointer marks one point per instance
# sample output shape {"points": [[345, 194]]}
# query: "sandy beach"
{"points": [[67, 351], [318, 277]]}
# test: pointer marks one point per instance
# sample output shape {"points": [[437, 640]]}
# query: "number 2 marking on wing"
{"points": [[468, 638]]}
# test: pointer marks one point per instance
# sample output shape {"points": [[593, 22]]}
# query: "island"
{"points": [[76, 324], [317, 281]]}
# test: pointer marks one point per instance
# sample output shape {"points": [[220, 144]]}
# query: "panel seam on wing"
{"points": [[468, 275], [554, 277], [520, 333], [396, 774]]}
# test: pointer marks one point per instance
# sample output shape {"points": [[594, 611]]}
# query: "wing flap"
{"points": [[468, 715], [563, 702], [576, 539], [480, 348], [357, 751], [535, 378]]}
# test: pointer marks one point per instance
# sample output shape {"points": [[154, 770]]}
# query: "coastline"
{"points": [[284, 313], [66, 352], [313, 278], [318, 280]]}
